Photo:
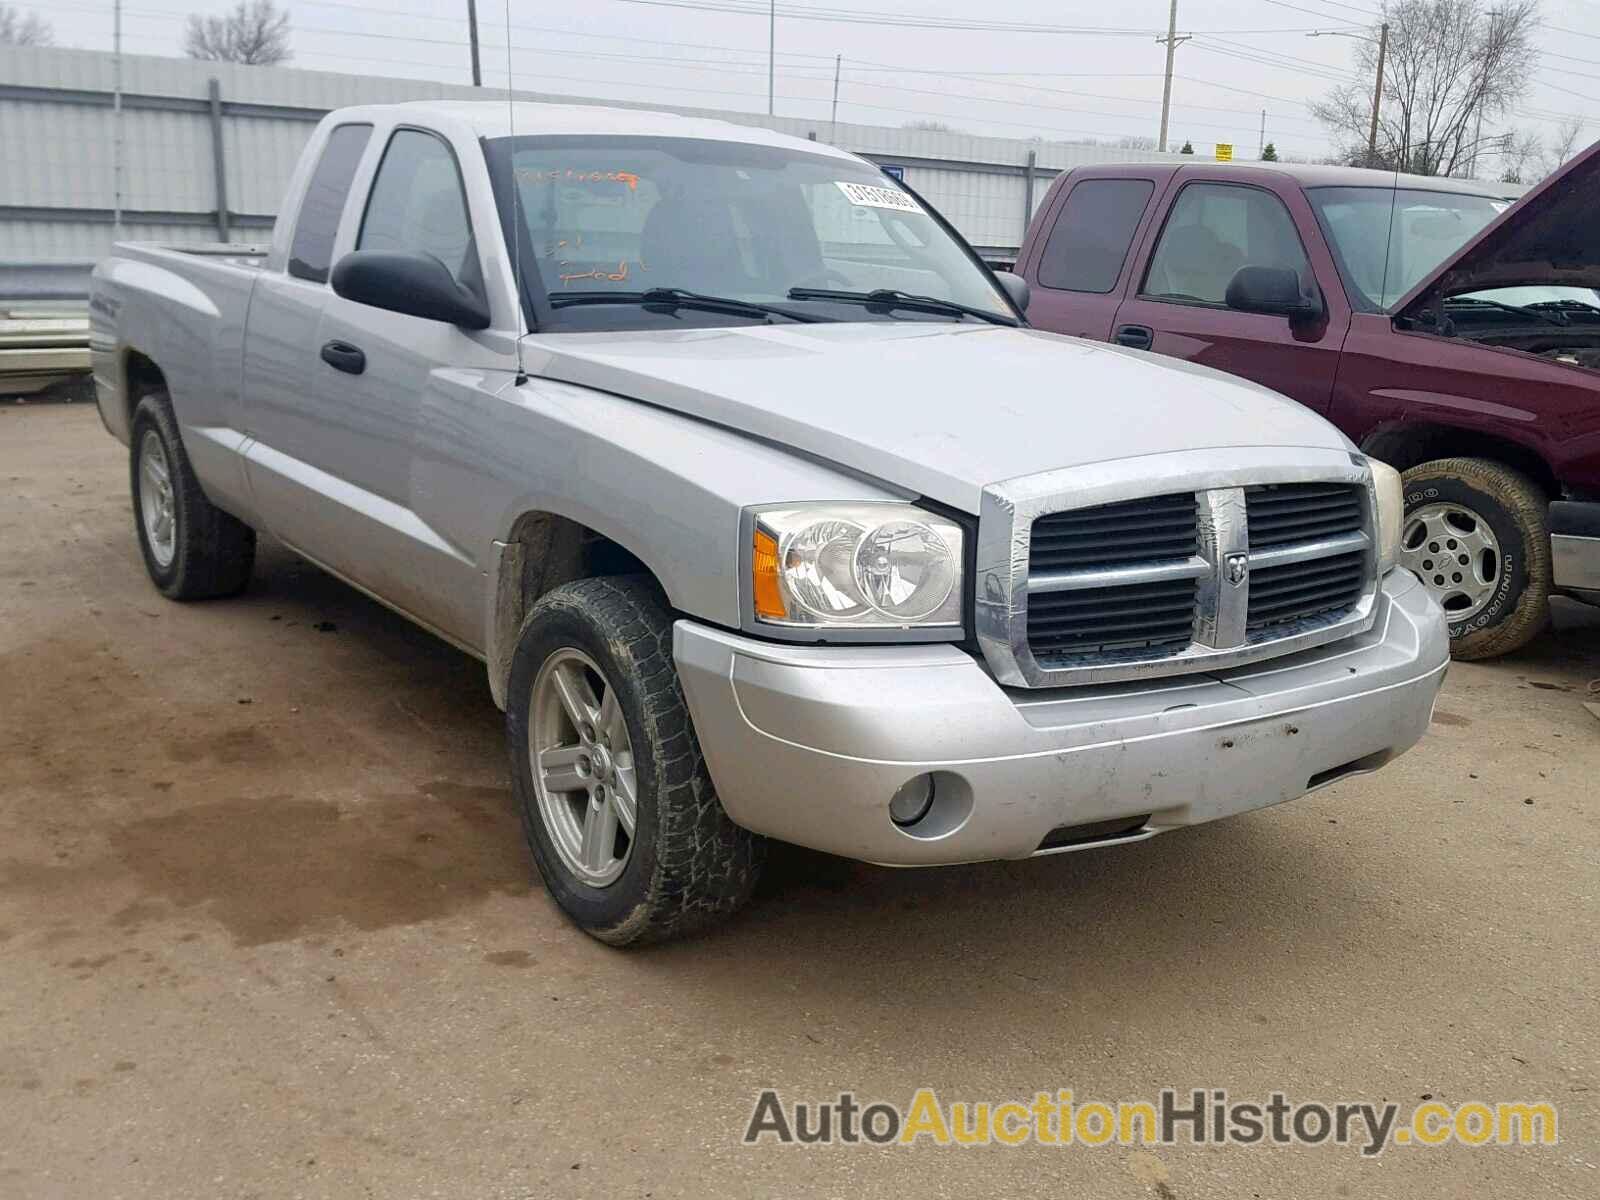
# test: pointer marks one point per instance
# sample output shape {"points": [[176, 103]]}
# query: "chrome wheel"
{"points": [[583, 769], [156, 507], [1455, 553]]}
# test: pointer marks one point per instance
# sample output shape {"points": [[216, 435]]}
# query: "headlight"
{"points": [[1391, 513], [856, 566]]}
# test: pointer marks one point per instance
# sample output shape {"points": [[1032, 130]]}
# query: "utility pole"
{"points": [[116, 124], [772, 44], [1377, 96], [1261, 147], [1172, 39], [472, 33], [833, 134]]}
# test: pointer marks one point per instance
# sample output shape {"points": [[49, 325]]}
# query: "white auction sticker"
{"points": [[868, 196]]}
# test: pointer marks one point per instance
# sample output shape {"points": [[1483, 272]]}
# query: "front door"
{"points": [[382, 375], [1213, 229]]}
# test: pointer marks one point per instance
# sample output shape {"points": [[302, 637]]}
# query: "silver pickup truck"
{"points": [[769, 515]]}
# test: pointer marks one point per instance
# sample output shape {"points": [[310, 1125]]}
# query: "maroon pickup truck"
{"points": [[1446, 329]]}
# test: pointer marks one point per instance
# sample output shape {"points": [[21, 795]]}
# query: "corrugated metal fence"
{"points": [[207, 149]]}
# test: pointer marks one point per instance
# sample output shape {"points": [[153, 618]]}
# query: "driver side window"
{"points": [[419, 206], [1213, 230]]}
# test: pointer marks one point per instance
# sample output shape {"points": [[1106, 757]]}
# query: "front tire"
{"points": [[1477, 534], [192, 549], [616, 801]]}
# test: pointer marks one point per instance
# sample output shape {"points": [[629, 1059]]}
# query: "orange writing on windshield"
{"points": [[620, 275], [557, 175]]}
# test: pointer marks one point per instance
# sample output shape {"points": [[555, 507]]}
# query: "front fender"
{"points": [[667, 488]]}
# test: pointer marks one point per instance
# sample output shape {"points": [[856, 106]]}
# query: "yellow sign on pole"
{"points": [[1224, 151]]}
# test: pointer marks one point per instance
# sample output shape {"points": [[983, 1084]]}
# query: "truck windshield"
{"points": [[607, 219], [1387, 239]]}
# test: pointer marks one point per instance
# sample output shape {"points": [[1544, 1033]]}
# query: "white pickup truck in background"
{"points": [[765, 509]]}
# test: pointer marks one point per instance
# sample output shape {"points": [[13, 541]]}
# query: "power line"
{"points": [[796, 63]]}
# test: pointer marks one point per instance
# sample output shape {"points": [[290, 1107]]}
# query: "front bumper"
{"points": [[809, 743], [1575, 545]]}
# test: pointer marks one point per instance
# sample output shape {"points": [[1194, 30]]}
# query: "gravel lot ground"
{"points": [[267, 928]]}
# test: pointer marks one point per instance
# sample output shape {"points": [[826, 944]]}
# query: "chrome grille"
{"points": [[1135, 530], [1307, 516], [1299, 591], [1087, 547], [1283, 513], [1139, 617], [1234, 558]]}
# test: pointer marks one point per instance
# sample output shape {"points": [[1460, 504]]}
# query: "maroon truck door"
{"points": [[1077, 266], [1212, 227]]}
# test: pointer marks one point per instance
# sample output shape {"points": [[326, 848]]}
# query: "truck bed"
{"points": [[183, 307]]}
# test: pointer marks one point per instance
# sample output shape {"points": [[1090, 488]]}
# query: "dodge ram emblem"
{"points": [[1238, 568]]}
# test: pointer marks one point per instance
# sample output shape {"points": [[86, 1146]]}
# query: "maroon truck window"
{"points": [[1090, 239], [1212, 231]]}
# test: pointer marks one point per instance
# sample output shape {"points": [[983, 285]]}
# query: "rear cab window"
{"points": [[1093, 233], [317, 224]]}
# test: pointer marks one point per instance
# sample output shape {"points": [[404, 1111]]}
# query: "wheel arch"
{"points": [[125, 376], [1404, 445], [540, 550]]}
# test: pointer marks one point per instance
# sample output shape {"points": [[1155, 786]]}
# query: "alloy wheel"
{"points": [[583, 767], [1455, 553]]}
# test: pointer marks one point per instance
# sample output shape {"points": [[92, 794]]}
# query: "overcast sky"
{"points": [[1246, 56]]}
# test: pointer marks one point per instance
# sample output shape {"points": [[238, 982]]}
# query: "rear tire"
{"points": [[1478, 511], [667, 860], [192, 549]]}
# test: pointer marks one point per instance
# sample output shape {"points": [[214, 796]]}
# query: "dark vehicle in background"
{"points": [[1446, 327]]}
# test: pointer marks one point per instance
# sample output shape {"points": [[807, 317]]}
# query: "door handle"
{"points": [[1135, 337], [342, 356]]}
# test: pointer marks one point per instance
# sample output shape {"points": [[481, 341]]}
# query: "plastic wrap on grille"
{"points": [[1283, 514]]}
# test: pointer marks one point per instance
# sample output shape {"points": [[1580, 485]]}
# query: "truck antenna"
{"points": [[516, 198]]}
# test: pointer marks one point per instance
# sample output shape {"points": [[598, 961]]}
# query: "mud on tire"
{"points": [[688, 864], [1516, 511]]}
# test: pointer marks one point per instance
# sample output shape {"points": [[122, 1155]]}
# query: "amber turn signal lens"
{"points": [[768, 595]]}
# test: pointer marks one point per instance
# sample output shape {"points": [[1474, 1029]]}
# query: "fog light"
{"points": [[912, 802]]}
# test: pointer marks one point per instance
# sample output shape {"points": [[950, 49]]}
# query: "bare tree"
{"points": [[928, 126], [1452, 65], [1525, 157], [255, 32], [1135, 142], [19, 30], [1566, 141], [1520, 155]]}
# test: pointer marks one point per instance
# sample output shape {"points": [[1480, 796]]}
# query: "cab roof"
{"points": [[1314, 175], [496, 118]]}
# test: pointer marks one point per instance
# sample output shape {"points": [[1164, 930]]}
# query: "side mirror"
{"points": [[1272, 290], [1016, 287], [418, 285]]}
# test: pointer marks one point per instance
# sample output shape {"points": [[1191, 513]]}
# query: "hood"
{"points": [[940, 410], [1550, 236]]}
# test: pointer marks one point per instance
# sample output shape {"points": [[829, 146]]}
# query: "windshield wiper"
{"points": [[1515, 309], [1568, 305], [680, 298], [890, 298]]}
